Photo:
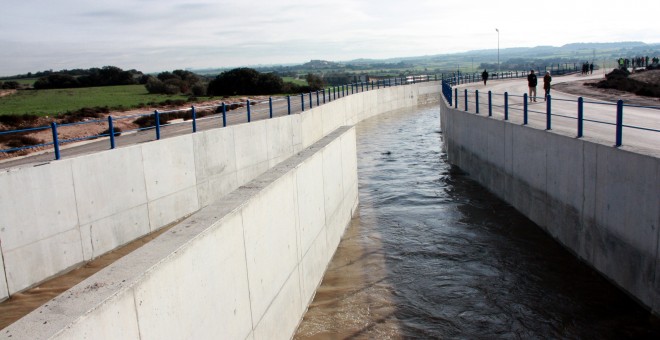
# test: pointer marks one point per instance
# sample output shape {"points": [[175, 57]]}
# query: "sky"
{"points": [[165, 35]]}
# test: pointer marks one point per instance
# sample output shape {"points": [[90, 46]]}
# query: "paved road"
{"points": [[564, 112]]}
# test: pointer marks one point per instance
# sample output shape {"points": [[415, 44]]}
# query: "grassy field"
{"points": [[296, 81], [51, 102]]}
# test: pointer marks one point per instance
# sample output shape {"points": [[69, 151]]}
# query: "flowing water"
{"points": [[432, 255]]}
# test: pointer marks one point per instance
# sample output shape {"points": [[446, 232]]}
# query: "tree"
{"points": [[315, 82]]}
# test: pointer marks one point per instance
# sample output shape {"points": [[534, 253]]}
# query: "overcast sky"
{"points": [[164, 35]]}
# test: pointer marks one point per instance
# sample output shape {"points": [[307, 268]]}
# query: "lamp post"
{"points": [[498, 52]]}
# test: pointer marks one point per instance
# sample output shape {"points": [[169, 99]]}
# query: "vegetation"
{"points": [[248, 81], [177, 82], [105, 76], [51, 102]]}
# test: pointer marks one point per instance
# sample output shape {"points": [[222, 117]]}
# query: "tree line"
{"points": [[239, 81]]}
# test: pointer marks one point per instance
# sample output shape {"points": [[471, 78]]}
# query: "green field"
{"points": [[296, 81], [51, 102]]}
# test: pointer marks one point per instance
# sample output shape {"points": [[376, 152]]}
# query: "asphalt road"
{"points": [[636, 120]]}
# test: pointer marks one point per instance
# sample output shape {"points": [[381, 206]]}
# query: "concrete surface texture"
{"points": [[599, 201], [56, 216], [246, 266]]}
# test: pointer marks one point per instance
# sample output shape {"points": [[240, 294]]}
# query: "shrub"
{"points": [[116, 130], [20, 141]]}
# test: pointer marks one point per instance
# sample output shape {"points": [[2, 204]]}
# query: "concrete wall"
{"points": [[601, 202], [57, 216], [245, 266]]}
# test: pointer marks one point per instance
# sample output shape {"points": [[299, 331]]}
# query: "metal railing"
{"points": [[470, 102], [277, 106]]}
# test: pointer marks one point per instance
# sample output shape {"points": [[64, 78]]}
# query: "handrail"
{"points": [[294, 104], [620, 105]]}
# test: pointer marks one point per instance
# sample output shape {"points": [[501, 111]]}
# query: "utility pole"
{"points": [[498, 52]]}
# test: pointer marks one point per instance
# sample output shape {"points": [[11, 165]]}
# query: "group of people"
{"points": [[532, 81], [636, 62], [587, 68]]}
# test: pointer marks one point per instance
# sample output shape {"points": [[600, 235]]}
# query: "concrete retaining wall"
{"points": [[601, 202], [245, 266], [57, 216]]}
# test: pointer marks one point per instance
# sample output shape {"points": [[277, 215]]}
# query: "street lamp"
{"points": [[498, 52]]}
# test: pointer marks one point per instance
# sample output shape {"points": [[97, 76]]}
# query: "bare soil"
{"points": [[91, 129], [582, 88]]}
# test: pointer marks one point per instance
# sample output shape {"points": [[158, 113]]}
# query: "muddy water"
{"points": [[432, 255]]}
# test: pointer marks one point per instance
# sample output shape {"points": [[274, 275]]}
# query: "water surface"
{"points": [[433, 255]]}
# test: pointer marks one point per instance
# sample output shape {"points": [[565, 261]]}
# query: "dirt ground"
{"points": [[580, 88], [91, 129]]}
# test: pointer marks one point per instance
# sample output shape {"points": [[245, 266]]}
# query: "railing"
{"points": [[277, 106], [471, 103]]}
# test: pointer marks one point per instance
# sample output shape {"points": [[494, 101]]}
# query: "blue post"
{"points": [[194, 119], [288, 104], [311, 103], [525, 109], [248, 110], [353, 88], [456, 98], [619, 122], [506, 105], [317, 98], [476, 99], [302, 101], [323, 91], [334, 93], [466, 100], [56, 141], [362, 83], [111, 128], [548, 110], [157, 115], [580, 117], [378, 83], [270, 106], [224, 114], [490, 103]]}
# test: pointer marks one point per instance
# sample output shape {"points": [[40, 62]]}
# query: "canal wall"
{"points": [[57, 216], [600, 202], [245, 266]]}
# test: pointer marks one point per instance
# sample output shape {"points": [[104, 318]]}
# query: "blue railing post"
{"points": [[353, 87], [311, 103], [548, 110], [619, 122], [56, 141], [506, 105], [270, 106], [525, 108], [194, 118], [378, 83], [476, 100], [490, 103], [456, 98], [317, 98], [248, 110], [224, 114], [111, 128], [288, 104], [323, 91], [157, 117], [466, 99], [580, 113]]}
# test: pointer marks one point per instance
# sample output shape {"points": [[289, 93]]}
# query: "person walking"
{"points": [[546, 84], [484, 76], [531, 83]]}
